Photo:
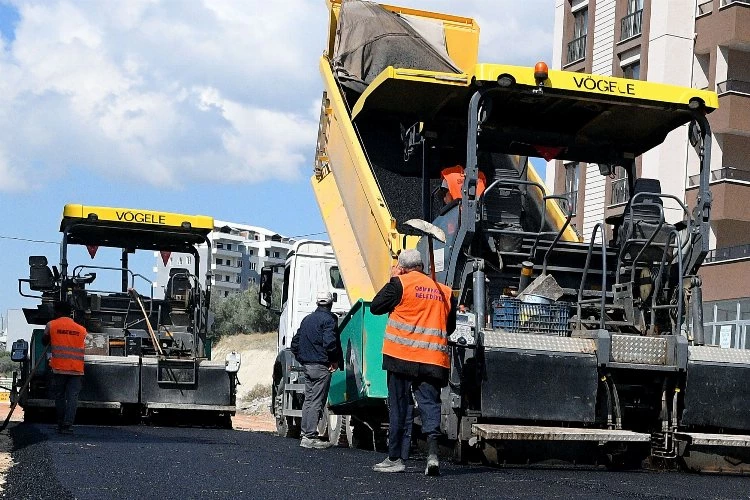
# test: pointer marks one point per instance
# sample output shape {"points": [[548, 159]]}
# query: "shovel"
{"points": [[430, 231]]}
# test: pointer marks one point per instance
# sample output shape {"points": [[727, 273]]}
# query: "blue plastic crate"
{"points": [[512, 315]]}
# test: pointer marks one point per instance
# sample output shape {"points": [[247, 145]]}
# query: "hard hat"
{"points": [[324, 298]]}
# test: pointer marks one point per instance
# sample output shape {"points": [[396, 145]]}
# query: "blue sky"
{"points": [[197, 107]]}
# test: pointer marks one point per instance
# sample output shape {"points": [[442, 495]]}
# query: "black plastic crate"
{"points": [[512, 315]]}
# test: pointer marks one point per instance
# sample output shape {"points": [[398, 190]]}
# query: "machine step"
{"points": [[497, 432], [703, 439]]}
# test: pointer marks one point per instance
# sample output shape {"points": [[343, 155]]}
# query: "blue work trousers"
{"points": [[400, 406]]}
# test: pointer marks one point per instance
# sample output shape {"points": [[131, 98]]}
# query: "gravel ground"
{"points": [[165, 463]]}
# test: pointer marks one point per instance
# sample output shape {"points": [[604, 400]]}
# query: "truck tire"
{"points": [[285, 426], [339, 430]]}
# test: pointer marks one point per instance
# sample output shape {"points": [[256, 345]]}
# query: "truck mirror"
{"points": [[265, 291]]}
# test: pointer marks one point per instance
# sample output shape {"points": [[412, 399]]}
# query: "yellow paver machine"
{"points": [[145, 356], [580, 349]]}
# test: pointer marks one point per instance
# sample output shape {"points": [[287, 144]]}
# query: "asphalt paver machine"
{"points": [[586, 350], [145, 356]]}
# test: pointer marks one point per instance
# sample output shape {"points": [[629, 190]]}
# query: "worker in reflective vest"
{"points": [[453, 183], [415, 354], [66, 339]]}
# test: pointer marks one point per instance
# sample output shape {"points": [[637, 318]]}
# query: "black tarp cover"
{"points": [[370, 38]]}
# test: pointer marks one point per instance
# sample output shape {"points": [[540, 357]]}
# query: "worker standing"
{"points": [[66, 339], [317, 347], [415, 354]]}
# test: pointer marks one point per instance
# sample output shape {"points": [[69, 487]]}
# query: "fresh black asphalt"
{"points": [[140, 462]]}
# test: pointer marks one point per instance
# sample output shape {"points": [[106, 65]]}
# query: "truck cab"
{"points": [[310, 267]]}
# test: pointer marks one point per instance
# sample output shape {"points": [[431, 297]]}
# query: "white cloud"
{"points": [[172, 92]]}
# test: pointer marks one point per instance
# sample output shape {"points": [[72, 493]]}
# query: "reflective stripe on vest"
{"points": [[67, 339], [416, 328]]}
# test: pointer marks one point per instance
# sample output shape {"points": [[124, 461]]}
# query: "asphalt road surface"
{"points": [[165, 463]]}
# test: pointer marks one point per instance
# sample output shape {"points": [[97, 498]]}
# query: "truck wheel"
{"points": [[285, 426], [339, 430]]}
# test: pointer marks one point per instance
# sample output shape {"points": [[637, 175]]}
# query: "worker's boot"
{"points": [[433, 463]]}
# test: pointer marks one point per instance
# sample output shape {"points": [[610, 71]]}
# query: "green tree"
{"points": [[241, 313]]}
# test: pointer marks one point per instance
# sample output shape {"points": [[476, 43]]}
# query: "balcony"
{"points": [[631, 25], [729, 26], [723, 173], [225, 269], [226, 253], [570, 204], [730, 189], [733, 115], [734, 86], [577, 49], [705, 8], [728, 253], [618, 191]]}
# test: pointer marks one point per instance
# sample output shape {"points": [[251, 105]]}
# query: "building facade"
{"points": [[705, 45], [238, 252]]}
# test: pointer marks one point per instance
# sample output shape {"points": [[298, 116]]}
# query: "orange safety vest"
{"points": [[454, 177], [68, 347], [417, 328]]}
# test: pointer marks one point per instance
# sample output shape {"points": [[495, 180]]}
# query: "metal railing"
{"points": [[618, 191], [728, 253], [577, 49], [705, 7], [724, 3], [731, 173], [733, 85], [631, 25]]}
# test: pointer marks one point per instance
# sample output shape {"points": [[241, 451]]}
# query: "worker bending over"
{"points": [[66, 339], [415, 354]]}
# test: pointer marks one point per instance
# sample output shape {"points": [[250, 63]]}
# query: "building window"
{"points": [[252, 252], [572, 176], [619, 188], [226, 278], [632, 70], [239, 263], [253, 266], [189, 260], [219, 245], [727, 323], [266, 253], [229, 246], [226, 293], [238, 279], [217, 278], [631, 24], [276, 255], [577, 46], [219, 262]]}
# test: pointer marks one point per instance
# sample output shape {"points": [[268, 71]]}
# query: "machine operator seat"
{"points": [[177, 291], [639, 221], [41, 277]]}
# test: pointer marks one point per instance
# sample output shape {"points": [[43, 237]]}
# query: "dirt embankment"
{"points": [[258, 351]]}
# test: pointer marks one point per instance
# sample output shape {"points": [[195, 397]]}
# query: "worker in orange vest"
{"points": [[66, 339], [415, 354], [453, 183]]}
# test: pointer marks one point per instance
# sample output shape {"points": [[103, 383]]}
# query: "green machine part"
{"points": [[362, 383], [36, 349]]}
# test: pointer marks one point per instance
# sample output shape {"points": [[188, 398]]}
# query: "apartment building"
{"points": [[706, 45], [238, 252]]}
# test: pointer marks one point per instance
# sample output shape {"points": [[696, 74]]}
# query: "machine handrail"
{"points": [[598, 228]]}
